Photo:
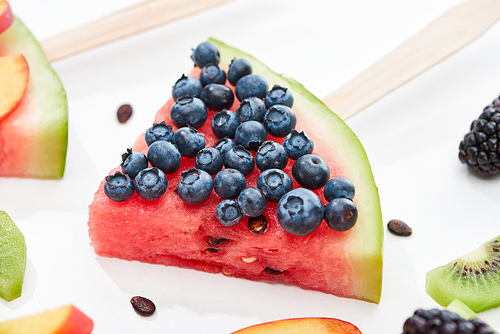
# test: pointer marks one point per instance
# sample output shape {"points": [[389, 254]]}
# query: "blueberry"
{"points": [[119, 187], [188, 110], [165, 156], [228, 212], [274, 183], [300, 211], [217, 96], [251, 85], [338, 187], [239, 158], [151, 183], [186, 86], [238, 68], [133, 162], [205, 53], [189, 141], [341, 214], [279, 95], [251, 109], [212, 73], [209, 159], [271, 155], [250, 135], [224, 145], [311, 171], [159, 131], [252, 202], [229, 182], [195, 186], [297, 144], [224, 123], [279, 120]]}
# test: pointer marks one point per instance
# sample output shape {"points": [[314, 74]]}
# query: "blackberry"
{"points": [[443, 321], [479, 149]]}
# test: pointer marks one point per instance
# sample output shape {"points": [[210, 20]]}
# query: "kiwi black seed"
{"points": [[473, 278]]}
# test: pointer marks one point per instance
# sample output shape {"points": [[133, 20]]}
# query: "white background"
{"points": [[411, 137]]}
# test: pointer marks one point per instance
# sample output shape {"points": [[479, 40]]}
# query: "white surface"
{"points": [[411, 137]]}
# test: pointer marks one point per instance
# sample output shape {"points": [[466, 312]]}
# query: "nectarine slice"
{"points": [[6, 17], [14, 74], [302, 325], [62, 320]]}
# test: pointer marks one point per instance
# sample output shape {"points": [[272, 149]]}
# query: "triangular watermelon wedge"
{"points": [[34, 137], [170, 232]]}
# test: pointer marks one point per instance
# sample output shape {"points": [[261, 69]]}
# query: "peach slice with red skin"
{"points": [[62, 320], [302, 325], [14, 75], [6, 17]]}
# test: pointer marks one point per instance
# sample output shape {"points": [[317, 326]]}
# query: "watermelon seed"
{"points": [[143, 306], [273, 271], [257, 225], [212, 250], [124, 112], [250, 259], [217, 241], [399, 228]]}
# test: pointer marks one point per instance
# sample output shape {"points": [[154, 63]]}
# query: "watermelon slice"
{"points": [[171, 232], [34, 137]]}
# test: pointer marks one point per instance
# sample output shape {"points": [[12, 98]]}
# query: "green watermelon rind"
{"points": [[46, 158], [367, 262]]}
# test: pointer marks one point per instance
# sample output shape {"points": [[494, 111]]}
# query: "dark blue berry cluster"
{"points": [[443, 322], [259, 133], [340, 212], [150, 184]]}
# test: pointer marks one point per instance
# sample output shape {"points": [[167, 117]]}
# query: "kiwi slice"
{"points": [[473, 278], [463, 310], [12, 258]]}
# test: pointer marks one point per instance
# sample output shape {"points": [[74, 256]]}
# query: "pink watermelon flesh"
{"points": [[34, 137], [171, 232]]}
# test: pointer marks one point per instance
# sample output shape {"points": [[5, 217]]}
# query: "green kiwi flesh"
{"points": [[461, 309], [473, 278]]}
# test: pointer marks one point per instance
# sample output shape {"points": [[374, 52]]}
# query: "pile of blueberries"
{"points": [[261, 112]]}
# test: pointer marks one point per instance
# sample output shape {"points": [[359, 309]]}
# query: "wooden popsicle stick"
{"points": [[449, 33], [446, 35], [132, 20]]}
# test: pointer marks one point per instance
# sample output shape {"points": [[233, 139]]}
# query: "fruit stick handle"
{"points": [[132, 20], [446, 35]]}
